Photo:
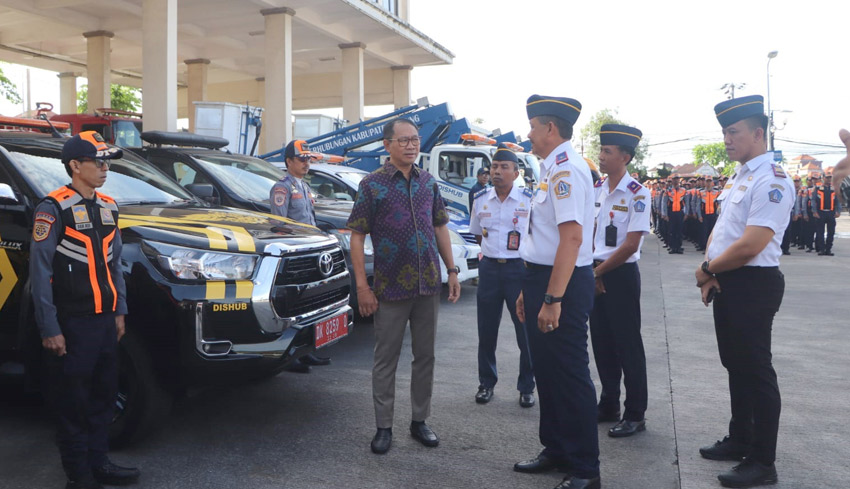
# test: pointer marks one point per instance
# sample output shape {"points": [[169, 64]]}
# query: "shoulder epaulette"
{"points": [[599, 182], [778, 171], [479, 193], [527, 192], [634, 186]]}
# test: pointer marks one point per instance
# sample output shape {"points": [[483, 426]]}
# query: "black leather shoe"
{"points": [[725, 449], [626, 428], [423, 434], [311, 359], [484, 395], [607, 416], [298, 367], [115, 475], [526, 400], [541, 463], [83, 483], [749, 473], [571, 482], [828, 253], [382, 441], [786, 252]]}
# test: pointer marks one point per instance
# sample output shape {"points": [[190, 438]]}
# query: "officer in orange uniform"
{"points": [[707, 211], [828, 207], [80, 302], [673, 209]]}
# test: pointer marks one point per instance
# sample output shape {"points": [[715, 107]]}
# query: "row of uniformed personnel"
{"points": [[568, 252]]}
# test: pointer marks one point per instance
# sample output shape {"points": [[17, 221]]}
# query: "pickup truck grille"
{"points": [[469, 238], [304, 268], [472, 263], [300, 288]]}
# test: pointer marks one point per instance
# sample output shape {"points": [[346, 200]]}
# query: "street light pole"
{"points": [[770, 56]]}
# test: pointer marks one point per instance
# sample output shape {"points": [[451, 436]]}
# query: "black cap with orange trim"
{"points": [[89, 144], [296, 148]]}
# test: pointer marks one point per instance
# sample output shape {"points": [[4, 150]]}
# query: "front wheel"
{"points": [[142, 401]]}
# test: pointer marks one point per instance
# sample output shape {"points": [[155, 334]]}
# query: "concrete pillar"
{"points": [[277, 125], [98, 69], [401, 86], [159, 65], [197, 90], [67, 93], [403, 10], [352, 81]]}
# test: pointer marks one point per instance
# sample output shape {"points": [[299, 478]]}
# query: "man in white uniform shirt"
{"points": [[499, 220], [557, 296], [742, 269], [622, 220]]}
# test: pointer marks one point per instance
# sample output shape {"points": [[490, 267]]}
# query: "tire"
{"points": [[142, 401]]}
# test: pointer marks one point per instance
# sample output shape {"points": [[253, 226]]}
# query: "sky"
{"points": [[660, 64]]}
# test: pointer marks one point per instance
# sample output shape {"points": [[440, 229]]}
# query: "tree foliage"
{"points": [[715, 155], [590, 139], [8, 90], [122, 98]]}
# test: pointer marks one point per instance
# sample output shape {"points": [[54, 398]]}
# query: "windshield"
{"points": [[353, 177], [128, 134], [531, 165], [249, 178], [130, 179]]}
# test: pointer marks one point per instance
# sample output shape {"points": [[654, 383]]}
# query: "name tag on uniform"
{"points": [[484, 214], [620, 208], [521, 213]]}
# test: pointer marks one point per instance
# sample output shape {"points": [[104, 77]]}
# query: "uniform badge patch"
{"points": [[562, 190], [279, 197], [560, 174], [81, 215], [775, 196], [41, 230], [43, 216], [562, 157], [106, 217], [639, 206]]}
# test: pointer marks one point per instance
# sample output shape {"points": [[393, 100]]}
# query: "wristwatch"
{"points": [[551, 299], [454, 269], [704, 268]]}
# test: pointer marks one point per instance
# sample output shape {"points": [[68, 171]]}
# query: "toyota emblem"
{"points": [[326, 264]]}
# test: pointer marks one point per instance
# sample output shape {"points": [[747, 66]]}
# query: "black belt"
{"points": [[502, 260], [536, 266]]}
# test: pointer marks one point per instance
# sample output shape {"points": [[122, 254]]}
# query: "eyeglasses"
{"points": [[100, 164], [407, 141]]}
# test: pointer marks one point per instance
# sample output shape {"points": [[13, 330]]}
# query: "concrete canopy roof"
{"points": [[48, 34]]}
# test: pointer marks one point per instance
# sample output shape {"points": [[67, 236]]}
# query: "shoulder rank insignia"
{"points": [[528, 192], [599, 182], [778, 171], [562, 157], [479, 193], [633, 186]]}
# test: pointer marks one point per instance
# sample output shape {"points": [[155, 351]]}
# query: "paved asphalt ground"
{"points": [[313, 431]]}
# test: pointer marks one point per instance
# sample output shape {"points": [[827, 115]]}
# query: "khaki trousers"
{"points": [[391, 320]]}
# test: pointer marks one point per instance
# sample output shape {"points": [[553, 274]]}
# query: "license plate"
{"points": [[332, 329]]}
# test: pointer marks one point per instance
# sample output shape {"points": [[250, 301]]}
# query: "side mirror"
{"points": [[7, 195], [107, 134], [203, 191]]}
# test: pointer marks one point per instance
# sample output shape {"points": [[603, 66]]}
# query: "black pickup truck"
{"points": [[214, 294]]}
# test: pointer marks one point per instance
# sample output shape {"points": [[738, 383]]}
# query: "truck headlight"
{"points": [[194, 264], [457, 239], [344, 238]]}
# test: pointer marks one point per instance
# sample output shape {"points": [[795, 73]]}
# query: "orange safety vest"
{"points": [[822, 199], [710, 202], [676, 196]]}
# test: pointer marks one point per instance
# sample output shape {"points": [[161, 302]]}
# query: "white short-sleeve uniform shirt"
{"points": [[493, 219], [628, 207], [565, 194], [759, 194]]}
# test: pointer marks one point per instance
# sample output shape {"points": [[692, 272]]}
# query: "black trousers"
{"points": [[617, 342], [568, 427], [809, 231], [83, 388], [708, 222], [796, 233], [825, 223], [676, 219], [743, 320]]}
